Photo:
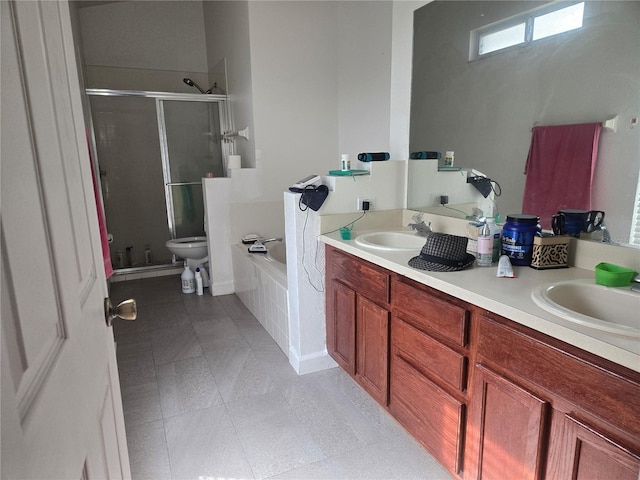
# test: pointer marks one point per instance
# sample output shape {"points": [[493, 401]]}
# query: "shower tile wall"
{"points": [[126, 130]]}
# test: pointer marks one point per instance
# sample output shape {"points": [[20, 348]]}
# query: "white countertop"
{"points": [[508, 297]]}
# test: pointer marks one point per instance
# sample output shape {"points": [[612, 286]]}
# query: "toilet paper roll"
{"points": [[234, 162]]}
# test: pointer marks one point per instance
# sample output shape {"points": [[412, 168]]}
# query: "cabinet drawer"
{"points": [[432, 416], [365, 278], [568, 376], [431, 313], [427, 354]]}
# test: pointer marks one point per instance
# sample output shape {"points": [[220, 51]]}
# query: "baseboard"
{"points": [[221, 288], [315, 362]]}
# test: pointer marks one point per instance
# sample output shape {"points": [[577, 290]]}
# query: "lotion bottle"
{"points": [[485, 247]]}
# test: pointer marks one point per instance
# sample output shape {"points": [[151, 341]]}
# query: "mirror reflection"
{"points": [[484, 108]]}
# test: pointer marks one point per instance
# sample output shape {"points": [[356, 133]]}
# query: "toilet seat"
{"points": [[188, 247]]}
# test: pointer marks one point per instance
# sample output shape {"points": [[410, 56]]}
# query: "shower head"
{"points": [[191, 83]]}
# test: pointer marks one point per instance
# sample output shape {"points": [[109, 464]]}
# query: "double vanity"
{"points": [[492, 382]]}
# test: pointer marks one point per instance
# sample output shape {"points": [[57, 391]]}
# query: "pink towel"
{"points": [[560, 169], [104, 240]]}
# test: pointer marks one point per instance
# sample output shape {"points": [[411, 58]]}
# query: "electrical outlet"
{"points": [[371, 200]]}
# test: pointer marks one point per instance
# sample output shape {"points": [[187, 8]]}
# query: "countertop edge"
{"points": [[510, 298]]}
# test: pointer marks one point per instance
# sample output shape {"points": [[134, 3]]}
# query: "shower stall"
{"points": [[151, 150]]}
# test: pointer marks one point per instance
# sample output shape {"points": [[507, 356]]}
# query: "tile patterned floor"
{"points": [[208, 394]]}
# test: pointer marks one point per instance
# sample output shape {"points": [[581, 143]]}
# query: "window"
{"points": [[526, 28], [504, 38], [560, 21]]}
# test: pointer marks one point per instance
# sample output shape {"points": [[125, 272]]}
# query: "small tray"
{"points": [[348, 173], [612, 275]]}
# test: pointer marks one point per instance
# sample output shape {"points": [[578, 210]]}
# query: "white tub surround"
{"points": [[216, 193], [231, 211], [261, 284], [511, 297], [305, 254], [305, 278]]}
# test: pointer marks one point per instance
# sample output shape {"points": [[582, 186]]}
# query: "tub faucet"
{"points": [[274, 239]]}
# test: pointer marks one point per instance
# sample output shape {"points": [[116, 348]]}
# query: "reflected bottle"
{"points": [[148, 256]]}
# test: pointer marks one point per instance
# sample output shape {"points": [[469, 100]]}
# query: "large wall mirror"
{"points": [[484, 109]]}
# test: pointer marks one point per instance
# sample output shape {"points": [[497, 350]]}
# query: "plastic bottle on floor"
{"points": [[198, 282], [188, 281]]}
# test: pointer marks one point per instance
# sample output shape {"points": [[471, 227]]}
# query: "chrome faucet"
{"points": [[267, 240], [421, 228]]}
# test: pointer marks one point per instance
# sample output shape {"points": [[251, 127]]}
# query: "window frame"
{"points": [[528, 18]]}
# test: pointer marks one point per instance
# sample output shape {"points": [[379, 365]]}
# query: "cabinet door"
{"points": [[341, 325], [372, 371], [589, 454], [431, 415], [506, 429]]}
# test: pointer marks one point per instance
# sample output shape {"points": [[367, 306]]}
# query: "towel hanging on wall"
{"points": [[102, 222], [560, 169]]}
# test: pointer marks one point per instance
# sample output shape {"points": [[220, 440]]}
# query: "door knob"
{"points": [[125, 310]]}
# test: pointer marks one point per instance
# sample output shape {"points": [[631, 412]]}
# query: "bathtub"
{"points": [[260, 282]]}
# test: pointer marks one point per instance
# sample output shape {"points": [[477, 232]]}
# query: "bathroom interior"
{"points": [[163, 148], [305, 82]]}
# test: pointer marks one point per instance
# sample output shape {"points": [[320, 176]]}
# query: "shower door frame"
{"points": [[224, 117], [164, 150]]}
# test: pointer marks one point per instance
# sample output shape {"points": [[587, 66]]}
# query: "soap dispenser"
{"points": [[485, 246]]}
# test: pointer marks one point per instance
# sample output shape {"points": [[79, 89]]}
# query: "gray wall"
{"points": [[484, 110]]}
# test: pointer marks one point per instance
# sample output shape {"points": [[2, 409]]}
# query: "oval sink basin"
{"points": [[391, 241], [613, 310]]}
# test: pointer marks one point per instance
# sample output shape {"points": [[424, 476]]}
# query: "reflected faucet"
{"points": [[606, 236]]}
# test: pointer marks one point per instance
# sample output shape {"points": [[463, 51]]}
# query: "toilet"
{"points": [[193, 250], [188, 247]]}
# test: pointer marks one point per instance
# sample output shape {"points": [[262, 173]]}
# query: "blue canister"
{"points": [[517, 237]]}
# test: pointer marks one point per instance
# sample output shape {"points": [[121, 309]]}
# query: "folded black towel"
{"points": [[425, 155], [373, 157]]}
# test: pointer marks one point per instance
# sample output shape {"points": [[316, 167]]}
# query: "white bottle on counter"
{"points": [[496, 234], [485, 247]]}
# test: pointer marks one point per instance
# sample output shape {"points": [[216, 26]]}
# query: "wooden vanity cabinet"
{"points": [[357, 306], [507, 429], [428, 368], [487, 397], [543, 409]]}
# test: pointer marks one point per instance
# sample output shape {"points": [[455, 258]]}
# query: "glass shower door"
{"points": [[191, 149], [131, 177]]}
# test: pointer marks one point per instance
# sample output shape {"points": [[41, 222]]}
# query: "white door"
{"points": [[61, 414]]}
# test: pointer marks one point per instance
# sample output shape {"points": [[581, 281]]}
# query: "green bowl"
{"points": [[612, 275]]}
